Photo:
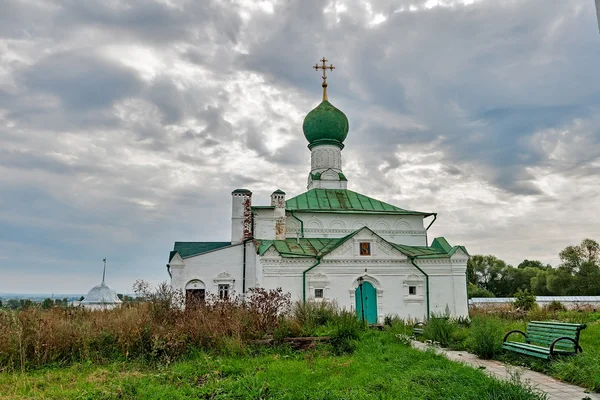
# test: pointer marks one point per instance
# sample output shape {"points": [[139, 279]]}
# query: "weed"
{"points": [[486, 337]]}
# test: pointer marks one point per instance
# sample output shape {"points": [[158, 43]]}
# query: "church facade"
{"points": [[329, 244]]}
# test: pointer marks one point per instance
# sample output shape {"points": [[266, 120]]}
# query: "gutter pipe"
{"points": [[244, 267], [434, 218], [301, 223], [412, 260], [429, 226], [304, 278], [169, 271]]}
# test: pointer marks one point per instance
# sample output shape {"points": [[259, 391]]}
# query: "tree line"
{"points": [[578, 274]]}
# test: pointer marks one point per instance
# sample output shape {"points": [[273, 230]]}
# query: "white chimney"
{"points": [[241, 215]]}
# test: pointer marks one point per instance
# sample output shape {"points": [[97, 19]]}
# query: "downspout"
{"points": [[244, 269], [412, 260], [429, 226], [169, 271], [304, 279], [301, 223]]}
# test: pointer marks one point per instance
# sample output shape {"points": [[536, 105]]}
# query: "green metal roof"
{"points": [[319, 247], [343, 200], [189, 249], [303, 247], [291, 248], [440, 248]]}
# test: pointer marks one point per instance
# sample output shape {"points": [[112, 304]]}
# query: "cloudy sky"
{"points": [[125, 125]]}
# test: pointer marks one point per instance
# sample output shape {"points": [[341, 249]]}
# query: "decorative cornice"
{"points": [[345, 232]]}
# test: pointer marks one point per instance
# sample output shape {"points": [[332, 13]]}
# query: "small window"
{"points": [[224, 292], [365, 248], [318, 293], [412, 290]]}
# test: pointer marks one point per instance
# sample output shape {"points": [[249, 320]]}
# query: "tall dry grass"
{"points": [[157, 329]]}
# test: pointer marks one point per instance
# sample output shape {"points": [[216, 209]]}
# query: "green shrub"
{"points": [[524, 300], [347, 330], [312, 315], [486, 337], [459, 338], [555, 306], [439, 329]]}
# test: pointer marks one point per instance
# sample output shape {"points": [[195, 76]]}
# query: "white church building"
{"points": [[329, 243]]}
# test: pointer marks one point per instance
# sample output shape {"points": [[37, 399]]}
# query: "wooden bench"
{"points": [[546, 339], [418, 328]]}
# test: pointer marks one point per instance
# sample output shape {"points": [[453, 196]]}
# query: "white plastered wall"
{"points": [[401, 229], [223, 265], [388, 270]]}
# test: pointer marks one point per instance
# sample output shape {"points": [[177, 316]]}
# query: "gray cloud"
{"points": [[125, 125]]}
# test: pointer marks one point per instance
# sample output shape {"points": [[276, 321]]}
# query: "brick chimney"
{"points": [[278, 201]]}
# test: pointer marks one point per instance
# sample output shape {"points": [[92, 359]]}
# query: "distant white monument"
{"points": [[101, 297]]}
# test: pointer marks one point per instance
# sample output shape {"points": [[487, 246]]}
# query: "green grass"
{"points": [[582, 369], [381, 368]]}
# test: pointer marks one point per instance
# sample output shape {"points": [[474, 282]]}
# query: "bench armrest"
{"points": [[508, 334], [577, 346]]}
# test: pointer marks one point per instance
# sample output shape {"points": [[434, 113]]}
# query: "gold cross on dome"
{"points": [[324, 67]]}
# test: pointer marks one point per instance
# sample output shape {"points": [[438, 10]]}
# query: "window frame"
{"points": [[223, 290]]}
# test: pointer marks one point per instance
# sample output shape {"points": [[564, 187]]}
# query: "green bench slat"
{"points": [[534, 347], [528, 352], [565, 324]]}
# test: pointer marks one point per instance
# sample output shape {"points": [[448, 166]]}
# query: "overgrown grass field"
{"points": [[483, 335], [381, 367]]}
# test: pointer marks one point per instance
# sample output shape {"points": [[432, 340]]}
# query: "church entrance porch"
{"points": [[366, 302]]}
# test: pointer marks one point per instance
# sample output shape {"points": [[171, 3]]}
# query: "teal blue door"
{"points": [[366, 302]]}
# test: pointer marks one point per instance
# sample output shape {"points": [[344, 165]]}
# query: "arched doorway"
{"points": [[195, 293], [366, 302]]}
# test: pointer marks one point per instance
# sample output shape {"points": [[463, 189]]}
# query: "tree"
{"points": [[13, 304], [539, 283], [47, 304], [489, 273], [25, 304], [579, 271], [476, 291], [533, 264]]}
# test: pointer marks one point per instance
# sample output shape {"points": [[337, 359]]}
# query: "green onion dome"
{"points": [[325, 125]]}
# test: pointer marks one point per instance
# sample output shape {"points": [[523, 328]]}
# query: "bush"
{"points": [[312, 315], [439, 329], [486, 337], [555, 306], [347, 330], [524, 300]]}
